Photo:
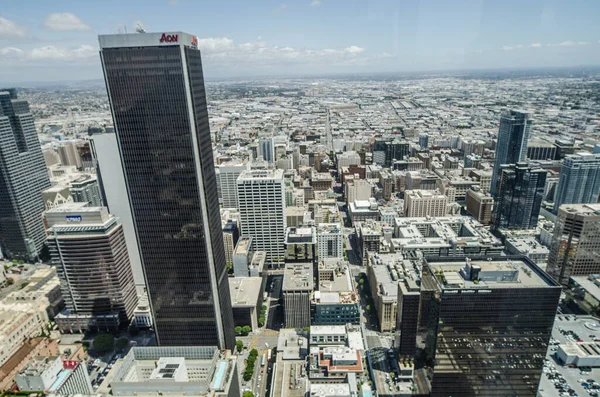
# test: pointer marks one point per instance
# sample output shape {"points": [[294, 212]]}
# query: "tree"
{"points": [[133, 329], [246, 329], [10, 281], [104, 343], [238, 330], [248, 393], [261, 321], [361, 281], [239, 345], [45, 254], [368, 308], [121, 343]]}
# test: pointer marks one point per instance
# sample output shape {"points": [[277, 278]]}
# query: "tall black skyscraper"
{"points": [[511, 146], [156, 91], [519, 196], [23, 176], [485, 324]]}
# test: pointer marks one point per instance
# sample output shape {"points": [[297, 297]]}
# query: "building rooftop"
{"points": [[300, 235], [243, 245], [260, 175], [491, 273], [244, 291], [298, 276]]}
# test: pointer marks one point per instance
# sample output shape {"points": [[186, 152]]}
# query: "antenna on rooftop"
{"points": [[139, 28]]}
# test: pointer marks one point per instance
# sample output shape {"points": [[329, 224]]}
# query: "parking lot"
{"points": [[558, 380]]}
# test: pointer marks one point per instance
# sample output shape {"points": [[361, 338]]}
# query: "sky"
{"points": [[56, 40]]}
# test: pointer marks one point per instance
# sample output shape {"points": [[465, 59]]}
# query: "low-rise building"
{"points": [[334, 363], [529, 247], [174, 370], [246, 300], [580, 354], [53, 375], [336, 301], [480, 205], [362, 210], [447, 236], [587, 291]]}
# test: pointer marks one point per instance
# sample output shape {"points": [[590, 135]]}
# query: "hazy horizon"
{"points": [[57, 41]]}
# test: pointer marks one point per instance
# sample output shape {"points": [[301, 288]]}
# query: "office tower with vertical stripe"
{"points": [[156, 91]]}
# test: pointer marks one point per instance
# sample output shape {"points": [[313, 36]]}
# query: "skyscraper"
{"points": [[511, 146], [87, 246], [261, 195], [576, 242], [485, 324], [156, 90], [519, 196], [23, 176], [115, 197], [579, 180], [227, 177]]}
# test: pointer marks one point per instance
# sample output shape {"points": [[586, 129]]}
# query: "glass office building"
{"points": [[511, 146], [485, 325], [23, 177], [156, 91], [519, 196]]}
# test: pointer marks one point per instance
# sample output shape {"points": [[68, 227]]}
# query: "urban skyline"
{"points": [[308, 37], [416, 235]]}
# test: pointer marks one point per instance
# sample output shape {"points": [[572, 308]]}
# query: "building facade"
{"points": [[579, 180], [297, 290], [87, 246], [86, 190], [109, 171], [422, 203], [261, 195], [511, 147], [480, 205], [227, 175], [23, 177], [161, 122], [486, 325], [575, 243], [330, 241], [519, 196]]}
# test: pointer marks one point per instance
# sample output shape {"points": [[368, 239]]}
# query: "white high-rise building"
{"points": [[261, 196], [227, 175], [329, 241], [105, 152], [421, 203]]}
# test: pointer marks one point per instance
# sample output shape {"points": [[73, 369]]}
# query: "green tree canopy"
{"points": [[104, 343], [121, 343]]}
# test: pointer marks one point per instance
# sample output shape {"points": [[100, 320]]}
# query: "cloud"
{"points": [[50, 52], [64, 21], [217, 44], [281, 8], [353, 49], [567, 43], [10, 29], [315, 3], [223, 52], [11, 52]]}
